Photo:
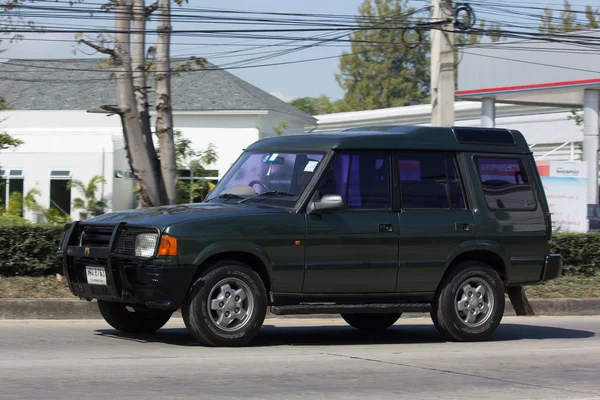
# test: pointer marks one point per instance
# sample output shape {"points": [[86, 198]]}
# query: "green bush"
{"points": [[580, 252], [29, 250]]}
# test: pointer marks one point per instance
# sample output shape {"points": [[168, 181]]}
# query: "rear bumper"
{"points": [[552, 267]]}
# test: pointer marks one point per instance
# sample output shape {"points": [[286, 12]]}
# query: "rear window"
{"points": [[505, 184]]}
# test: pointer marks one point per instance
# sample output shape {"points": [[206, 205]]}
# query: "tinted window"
{"points": [[505, 184], [429, 180], [363, 179]]}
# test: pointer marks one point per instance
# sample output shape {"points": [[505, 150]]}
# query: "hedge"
{"points": [[30, 250]]}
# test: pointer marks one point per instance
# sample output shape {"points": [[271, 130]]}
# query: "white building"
{"points": [[62, 141], [548, 130]]}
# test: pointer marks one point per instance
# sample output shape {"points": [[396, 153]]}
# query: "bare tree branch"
{"points": [[151, 8], [100, 49]]}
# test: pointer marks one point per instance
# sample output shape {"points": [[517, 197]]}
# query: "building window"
{"points": [[60, 191], [505, 184], [11, 188], [429, 181]]}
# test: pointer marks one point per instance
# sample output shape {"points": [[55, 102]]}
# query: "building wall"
{"points": [[84, 152], [92, 144]]}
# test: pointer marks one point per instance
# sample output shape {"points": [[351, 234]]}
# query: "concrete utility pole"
{"points": [[591, 105], [442, 64]]}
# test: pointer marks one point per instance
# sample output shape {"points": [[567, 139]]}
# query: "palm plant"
{"points": [[88, 203]]}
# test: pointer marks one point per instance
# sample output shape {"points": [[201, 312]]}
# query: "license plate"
{"points": [[96, 275]]}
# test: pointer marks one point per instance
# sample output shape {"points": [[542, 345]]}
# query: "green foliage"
{"points": [[281, 127], [7, 219], [28, 249], [319, 105], [568, 20], [580, 252], [89, 204], [15, 204], [197, 162], [380, 71]]}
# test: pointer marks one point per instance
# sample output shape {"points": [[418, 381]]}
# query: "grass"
{"points": [[33, 287], [573, 286], [45, 287]]}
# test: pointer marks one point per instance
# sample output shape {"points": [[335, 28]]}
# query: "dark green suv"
{"points": [[366, 223]]}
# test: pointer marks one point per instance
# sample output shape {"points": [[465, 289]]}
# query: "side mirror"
{"points": [[330, 202]]}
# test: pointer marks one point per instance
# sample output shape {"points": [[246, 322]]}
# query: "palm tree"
{"points": [[88, 203]]}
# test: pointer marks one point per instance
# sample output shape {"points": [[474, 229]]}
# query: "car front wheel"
{"points": [[227, 306], [133, 318]]}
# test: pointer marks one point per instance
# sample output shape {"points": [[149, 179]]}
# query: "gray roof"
{"points": [[79, 84]]}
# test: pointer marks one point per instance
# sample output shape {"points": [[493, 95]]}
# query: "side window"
{"points": [[429, 181], [361, 178], [505, 184]]}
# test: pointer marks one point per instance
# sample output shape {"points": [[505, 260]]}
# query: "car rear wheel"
{"points": [[227, 306], [470, 303], [133, 319], [371, 322]]}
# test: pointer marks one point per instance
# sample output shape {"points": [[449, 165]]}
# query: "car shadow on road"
{"points": [[337, 335]]}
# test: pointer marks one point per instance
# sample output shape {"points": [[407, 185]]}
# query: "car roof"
{"points": [[494, 140]]}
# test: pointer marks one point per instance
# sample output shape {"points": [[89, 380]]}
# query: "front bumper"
{"points": [[552, 267], [155, 282]]}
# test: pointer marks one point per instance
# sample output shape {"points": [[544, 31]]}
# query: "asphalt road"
{"points": [[527, 358]]}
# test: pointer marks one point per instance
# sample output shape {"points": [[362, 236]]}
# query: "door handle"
{"points": [[462, 227], [386, 228]]}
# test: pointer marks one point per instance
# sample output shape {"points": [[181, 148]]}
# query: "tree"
{"points": [[381, 71], [568, 20], [157, 180], [7, 141], [89, 203], [319, 105], [195, 187]]}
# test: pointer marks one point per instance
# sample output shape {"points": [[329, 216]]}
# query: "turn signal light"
{"points": [[168, 246]]}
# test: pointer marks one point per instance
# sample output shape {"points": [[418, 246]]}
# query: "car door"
{"points": [[435, 222], [354, 250]]}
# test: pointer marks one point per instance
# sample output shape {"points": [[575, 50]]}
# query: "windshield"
{"points": [[275, 178]]}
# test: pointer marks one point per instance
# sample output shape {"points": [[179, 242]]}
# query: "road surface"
{"points": [[527, 358]]}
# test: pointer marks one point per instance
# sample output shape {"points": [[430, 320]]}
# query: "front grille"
{"points": [[96, 236]]}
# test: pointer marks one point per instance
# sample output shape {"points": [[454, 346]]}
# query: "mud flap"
{"points": [[519, 301]]}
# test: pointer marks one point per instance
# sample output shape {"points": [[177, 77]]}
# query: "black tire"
{"points": [[470, 322], [202, 321], [371, 322], [136, 320]]}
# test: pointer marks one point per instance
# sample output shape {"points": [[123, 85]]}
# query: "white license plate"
{"points": [[96, 275]]}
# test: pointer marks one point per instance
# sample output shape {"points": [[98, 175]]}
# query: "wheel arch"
{"points": [[487, 255], [248, 253]]}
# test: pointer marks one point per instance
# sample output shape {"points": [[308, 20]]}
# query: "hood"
{"points": [[164, 216]]}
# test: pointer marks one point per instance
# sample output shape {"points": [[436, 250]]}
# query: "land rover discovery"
{"points": [[367, 223]]}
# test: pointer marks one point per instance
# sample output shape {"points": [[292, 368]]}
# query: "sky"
{"points": [[285, 81]]}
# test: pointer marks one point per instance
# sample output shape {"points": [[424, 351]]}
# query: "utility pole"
{"points": [[442, 64]]}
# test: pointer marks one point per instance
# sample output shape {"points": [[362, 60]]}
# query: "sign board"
{"points": [[565, 184]]}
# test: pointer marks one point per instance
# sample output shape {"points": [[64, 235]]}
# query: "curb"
{"points": [[79, 309]]}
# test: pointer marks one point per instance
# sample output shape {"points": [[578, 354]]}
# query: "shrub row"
{"points": [[580, 252], [30, 250]]}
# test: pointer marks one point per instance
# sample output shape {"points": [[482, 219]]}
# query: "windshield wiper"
{"points": [[269, 193], [226, 196]]}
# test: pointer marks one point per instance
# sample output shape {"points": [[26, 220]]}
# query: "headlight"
{"points": [[145, 244]]}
